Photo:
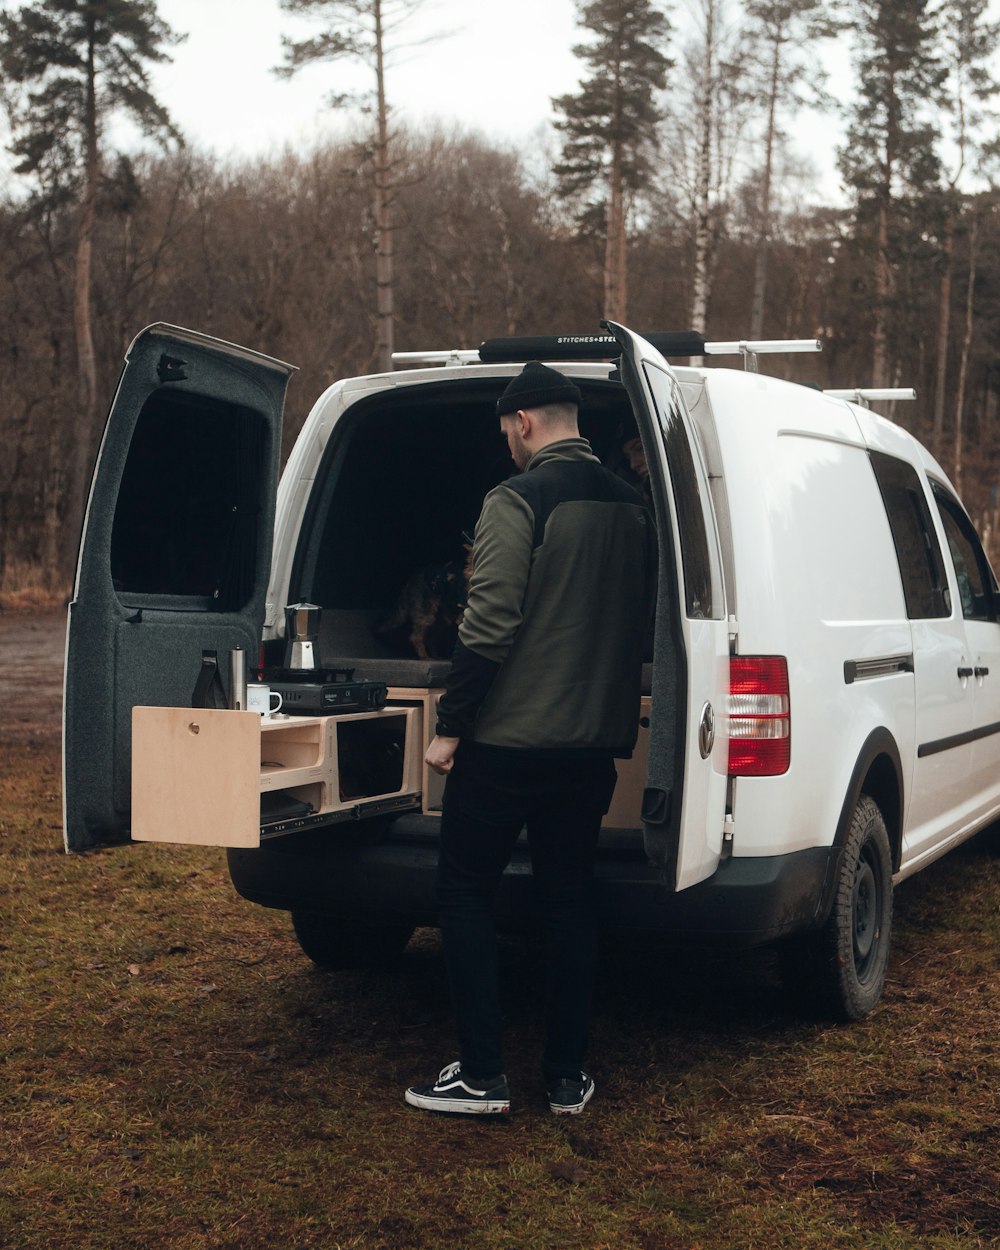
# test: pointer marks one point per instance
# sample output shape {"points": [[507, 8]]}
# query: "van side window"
{"points": [[918, 553], [972, 571], [688, 499]]}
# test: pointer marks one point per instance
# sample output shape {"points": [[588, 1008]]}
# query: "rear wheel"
{"points": [[335, 942], [840, 970]]}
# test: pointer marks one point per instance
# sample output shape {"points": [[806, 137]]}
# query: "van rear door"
{"points": [[174, 558], [685, 798]]}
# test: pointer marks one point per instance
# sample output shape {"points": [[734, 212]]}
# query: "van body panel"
{"points": [[815, 582], [831, 721], [972, 586], [938, 801], [983, 638], [175, 553]]}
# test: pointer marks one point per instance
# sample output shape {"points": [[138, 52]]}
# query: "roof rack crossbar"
{"points": [[761, 347], [456, 356], [869, 394]]}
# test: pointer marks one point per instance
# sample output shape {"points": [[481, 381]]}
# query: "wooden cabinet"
{"points": [[222, 778], [626, 806]]}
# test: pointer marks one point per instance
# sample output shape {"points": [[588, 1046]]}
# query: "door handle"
{"points": [[965, 672], [981, 672]]}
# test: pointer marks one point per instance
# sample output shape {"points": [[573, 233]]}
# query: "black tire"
{"points": [[839, 971], [337, 943]]}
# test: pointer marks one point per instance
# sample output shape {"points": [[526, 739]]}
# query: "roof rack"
{"points": [[601, 347], [457, 356], [865, 396]]}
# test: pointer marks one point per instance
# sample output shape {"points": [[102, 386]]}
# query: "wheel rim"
{"points": [[865, 911]]}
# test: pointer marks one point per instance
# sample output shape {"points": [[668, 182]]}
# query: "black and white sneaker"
{"points": [[570, 1097], [452, 1092]]}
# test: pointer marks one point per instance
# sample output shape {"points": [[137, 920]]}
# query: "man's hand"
{"points": [[441, 754]]}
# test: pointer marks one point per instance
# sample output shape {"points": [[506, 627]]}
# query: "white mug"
{"points": [[259, 699]]}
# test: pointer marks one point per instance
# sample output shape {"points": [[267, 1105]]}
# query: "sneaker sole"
{"points": [[458, 1106]]}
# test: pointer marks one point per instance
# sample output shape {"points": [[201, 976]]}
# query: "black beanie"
{"points": [[534, 387]]}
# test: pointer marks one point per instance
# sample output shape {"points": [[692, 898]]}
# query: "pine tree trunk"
{"points": [[52, 527], [84, 436], [883, 289], [963, 367], [944, 326], [384, 293], [615, 258]]}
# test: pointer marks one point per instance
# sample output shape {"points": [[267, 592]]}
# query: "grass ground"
{"points": [[175, 1074]]}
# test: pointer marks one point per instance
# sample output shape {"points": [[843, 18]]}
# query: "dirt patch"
{"points": [[32, 646]]}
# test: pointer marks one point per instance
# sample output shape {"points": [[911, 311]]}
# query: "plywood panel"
{"points": [[626, 806], [195, 776], [431, 784]]}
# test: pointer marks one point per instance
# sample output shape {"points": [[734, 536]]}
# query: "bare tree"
{"points": [[68, 66], [711, 105], [363, 30]]}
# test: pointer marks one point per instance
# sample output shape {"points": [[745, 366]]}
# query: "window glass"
{"points": [[188, 507], [693, 512], [921, 565], [972, 571]]}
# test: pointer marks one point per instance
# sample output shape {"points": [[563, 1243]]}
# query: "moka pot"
{"points": [[301, 631]]}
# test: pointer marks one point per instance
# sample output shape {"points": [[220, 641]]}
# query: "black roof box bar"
{"points": [[584, 347]]}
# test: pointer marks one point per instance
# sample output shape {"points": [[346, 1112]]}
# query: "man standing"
{"points": [[542, 694]]}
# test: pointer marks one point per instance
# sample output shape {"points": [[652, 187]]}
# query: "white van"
{"points": [[821, 715]]}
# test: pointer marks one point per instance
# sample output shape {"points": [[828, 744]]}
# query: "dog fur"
{"points": [[429, 609]]}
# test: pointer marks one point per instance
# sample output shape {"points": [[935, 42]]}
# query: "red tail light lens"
{"points": [[759, 716]]}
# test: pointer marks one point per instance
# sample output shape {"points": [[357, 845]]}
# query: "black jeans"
{"points": [[490, 795]]}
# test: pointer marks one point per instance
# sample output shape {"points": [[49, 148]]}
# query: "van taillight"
{"points": [[759, 716]]}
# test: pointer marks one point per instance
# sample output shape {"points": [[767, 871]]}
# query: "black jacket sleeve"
{"points": [[468, 684]]}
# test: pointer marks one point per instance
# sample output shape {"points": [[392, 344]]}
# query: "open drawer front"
{"points": [[222, 778]]}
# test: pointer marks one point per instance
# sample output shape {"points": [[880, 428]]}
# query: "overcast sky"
{"points": [[494, 70], [489, 66]]}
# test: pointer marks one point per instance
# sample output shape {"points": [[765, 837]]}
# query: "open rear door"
{"points": [[175, 554], [685, 796]]}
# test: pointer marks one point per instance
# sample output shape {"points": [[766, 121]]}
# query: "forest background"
{"points": [[666, 194]]}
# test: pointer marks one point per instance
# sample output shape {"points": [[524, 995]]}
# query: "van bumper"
{"points": [[747, 901]]}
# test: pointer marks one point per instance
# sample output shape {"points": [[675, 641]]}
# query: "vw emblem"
{"points": [[706, 731]]}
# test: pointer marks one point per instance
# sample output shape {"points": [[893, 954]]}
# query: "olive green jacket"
{"points": [[551, 644]]}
